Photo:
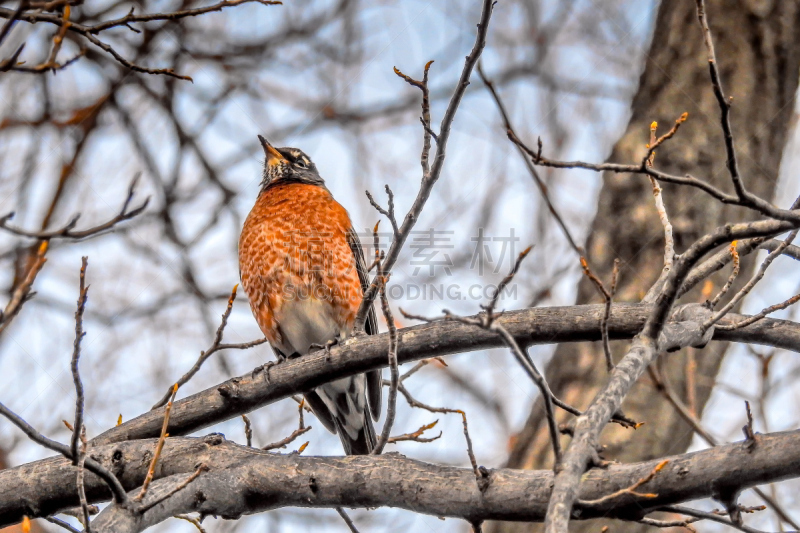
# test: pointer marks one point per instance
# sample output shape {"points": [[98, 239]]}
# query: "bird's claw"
{"points": [[327, 347], [355, 335]]}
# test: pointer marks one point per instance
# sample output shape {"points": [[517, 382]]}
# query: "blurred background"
{"points": [[317, 75]]}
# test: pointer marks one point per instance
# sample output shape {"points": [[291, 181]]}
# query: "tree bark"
{"points": [[756, 45], [270, 383], [240, 480]]}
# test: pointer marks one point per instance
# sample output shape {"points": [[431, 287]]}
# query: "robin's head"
{"points": [[287, 165]]}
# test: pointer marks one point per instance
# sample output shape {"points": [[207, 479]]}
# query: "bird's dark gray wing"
{"points": [[320, 410], [374, 377]]}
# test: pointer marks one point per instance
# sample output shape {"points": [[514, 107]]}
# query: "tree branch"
{"points": [[241, 480], [269, 384]]}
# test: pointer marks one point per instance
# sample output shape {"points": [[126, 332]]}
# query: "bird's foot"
{"points": [[355, 335], [327, 347], [266, 367]]}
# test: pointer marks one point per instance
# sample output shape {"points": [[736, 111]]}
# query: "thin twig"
{"points": [[522, 149], [62, 524], [216, 346], [731, 279], [77, 427], [23, 5], [426, 114], [691, 381], [159, 446], [393, 366], [45, 67], [177, 15], [89, 32], [22, 291], [416, 436], [724, 104], [489, 309], [413, 402], [388, 213], [749, 432], [430, 179], [81, 486], [69, 232], [118, 492], [752, 283], [703, 515], [720, 259], [347, 519], [58, 38], [192, 520], [654, 143], [11, 62], [607, 316], [752, 202], [177, 488], [248, 431], [480, 476], [618, 417], [288, 440], [631, 490], [670, 523], [523, 358], [669, 242], [664, 386], [761, 315]]}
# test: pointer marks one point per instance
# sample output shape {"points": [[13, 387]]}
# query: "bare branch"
{"points": [[649, 343], [60, 523], [426, 114], [176, 15], [724, 105], [288, 440], [76, 354], [752, 283], [271, 481], [630, 490], [731, 279], [192, 520], [69, 232], [159, 446], [216, 346], [268, 384], [347, 520], [762, 314], [90, 32], [708, 516], [248, 431], [416, 436], [393, 366], [522, 149], [108, 478], [22, 291], [429, 180]]}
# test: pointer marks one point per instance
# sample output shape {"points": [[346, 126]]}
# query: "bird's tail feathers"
{"points": [[365, 440]]}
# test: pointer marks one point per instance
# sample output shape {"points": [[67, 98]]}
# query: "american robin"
{"points": [[303, 270]]}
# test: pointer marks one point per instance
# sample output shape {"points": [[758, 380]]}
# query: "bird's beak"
{"points": [[273, 155]]}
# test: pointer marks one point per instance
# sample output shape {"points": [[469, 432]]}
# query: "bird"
{"points": [[302, 267]]}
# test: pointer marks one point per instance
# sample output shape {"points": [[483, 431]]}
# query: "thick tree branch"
{"points": [[242, 480], [548, 325], [646, 346]]}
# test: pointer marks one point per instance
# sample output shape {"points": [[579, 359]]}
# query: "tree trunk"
{"points": [[756, 45]]}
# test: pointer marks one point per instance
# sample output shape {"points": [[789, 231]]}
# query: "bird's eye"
{"points": [[300, 164]]}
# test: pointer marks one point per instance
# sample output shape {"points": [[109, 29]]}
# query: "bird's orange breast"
{"points": [[294, 246]]}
